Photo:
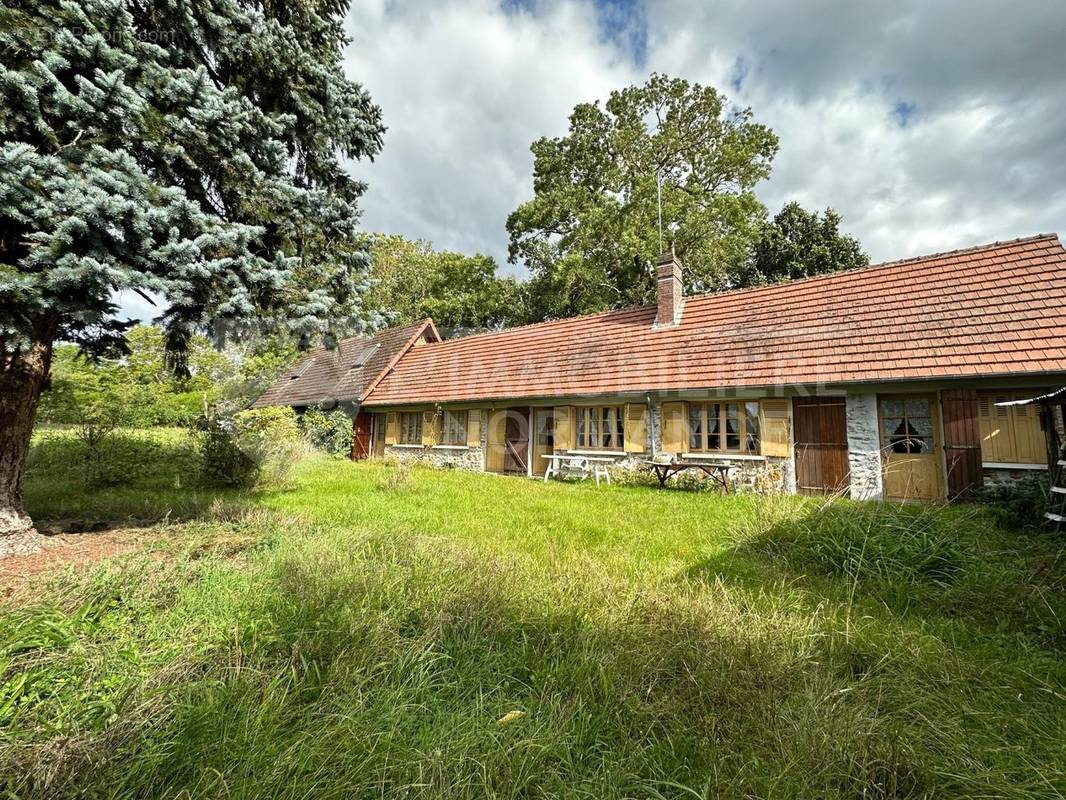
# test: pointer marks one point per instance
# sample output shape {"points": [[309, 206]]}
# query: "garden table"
{"points": [[719, 472]]}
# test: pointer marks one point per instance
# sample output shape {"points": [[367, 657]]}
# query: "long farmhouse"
{"points": [[882, 382]]}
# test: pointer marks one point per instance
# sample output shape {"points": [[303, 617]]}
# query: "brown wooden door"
{"points": [[821, 435], [516, 441], [962, 443], [361, 442]]}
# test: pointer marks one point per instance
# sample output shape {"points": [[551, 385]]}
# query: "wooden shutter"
{"points": [[962, 443], [430, 428], [473, 427], [496, 419], [392, 427], [565, 428], [774, 430], [1029, 439], [636, 428], [675, 428], [997, 432]]}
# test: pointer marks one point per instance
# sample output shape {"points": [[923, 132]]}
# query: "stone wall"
{"points": [[1003, 476], [864, 447]]}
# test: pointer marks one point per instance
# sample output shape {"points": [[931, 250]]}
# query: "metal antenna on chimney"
{"points": [[659, 194]]}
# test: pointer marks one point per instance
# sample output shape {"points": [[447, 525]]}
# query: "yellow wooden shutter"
{"points": [[473, 427], [774, 431], [1029, 440], [496, 420], [986, 426], [430, 428], [565, 430], [636, 430], [392, 427], [675, 428]]}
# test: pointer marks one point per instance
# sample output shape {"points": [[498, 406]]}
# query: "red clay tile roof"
{"points": [[347, 372], [998, 309]]}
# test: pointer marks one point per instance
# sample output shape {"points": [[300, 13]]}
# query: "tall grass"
{"points": [[358, 636]]}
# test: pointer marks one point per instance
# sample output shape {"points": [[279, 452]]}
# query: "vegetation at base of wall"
{"points": [[338, 638], [328, 431], [1019, 504]]}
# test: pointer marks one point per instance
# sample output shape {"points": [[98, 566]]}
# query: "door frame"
{"points": [[938, 453]]}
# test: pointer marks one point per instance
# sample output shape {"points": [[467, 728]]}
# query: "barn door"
{"points": [[361, 436], [516, 441], [821, 435], [962, 443]]}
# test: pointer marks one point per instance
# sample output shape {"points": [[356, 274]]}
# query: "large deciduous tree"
{"points": [[414, 281], [800, 243], [592, 227], [189, 151]]}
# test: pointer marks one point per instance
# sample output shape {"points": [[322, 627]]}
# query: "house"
{"points": [[342, 376], [882, 382]]}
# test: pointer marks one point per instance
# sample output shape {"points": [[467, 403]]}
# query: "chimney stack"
{"points": [[670, 291]]}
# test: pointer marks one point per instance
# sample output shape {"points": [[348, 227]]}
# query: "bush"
{"points": [[869, 541], [250, 448], [328, 431], [1021, 504]]}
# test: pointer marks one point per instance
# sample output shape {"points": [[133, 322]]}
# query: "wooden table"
{"points": [[719, 473]]}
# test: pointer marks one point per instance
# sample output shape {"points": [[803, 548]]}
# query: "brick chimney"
{"points": [[670, 291]]}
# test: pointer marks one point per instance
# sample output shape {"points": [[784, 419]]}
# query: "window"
{"points": [[453, 428], [545, 429], [907, 425], [411, 427], [601, 427], [723, 427]]}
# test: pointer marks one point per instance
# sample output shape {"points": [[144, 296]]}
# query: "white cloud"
{"points": [[467, 86]]}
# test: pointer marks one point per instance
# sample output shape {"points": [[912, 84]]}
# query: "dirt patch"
{"points": [[17, 571]]}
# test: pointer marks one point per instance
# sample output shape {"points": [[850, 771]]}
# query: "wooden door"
{"points": [[496, 420], [910, 444], [543, 438], [378, 449], [361, 432], [821, 436], [516, 441], [962, 443]]}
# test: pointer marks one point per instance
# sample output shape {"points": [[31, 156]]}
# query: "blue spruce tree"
{"points": [[187, 151]]}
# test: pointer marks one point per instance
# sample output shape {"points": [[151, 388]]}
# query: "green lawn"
{"points": [[360, 632]]}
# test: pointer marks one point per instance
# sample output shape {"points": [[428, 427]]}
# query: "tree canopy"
{"points": [[591, 229], [192, 152], [799, 244], [414, 281]]}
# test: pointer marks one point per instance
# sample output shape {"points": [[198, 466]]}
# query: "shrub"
{"points": [[249, 448], [330, 431], [869, 541], [1021, 504]]}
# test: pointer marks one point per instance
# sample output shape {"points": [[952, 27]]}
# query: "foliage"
{"points": [[139, 390], [1019, 505], [414, 281], [329, 431], [250, 448], [886, 542], [591, 230], [652, 656], [799, 244], [188, 150]]}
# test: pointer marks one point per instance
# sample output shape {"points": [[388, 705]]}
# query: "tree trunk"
{"points": [[23, 375]]}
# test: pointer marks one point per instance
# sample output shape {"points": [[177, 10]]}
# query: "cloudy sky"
{"points": [[928, 126]]}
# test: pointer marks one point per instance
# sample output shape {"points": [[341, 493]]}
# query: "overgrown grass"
{"points": [[361, 633]]}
